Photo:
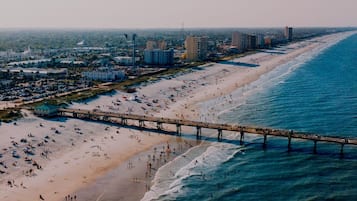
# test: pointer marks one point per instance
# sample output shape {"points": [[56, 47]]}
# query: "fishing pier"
{"points": [[242, 130]]}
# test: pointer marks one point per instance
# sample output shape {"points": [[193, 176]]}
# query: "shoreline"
{"points": [[80, 157], [135, 174], [203, 108]]}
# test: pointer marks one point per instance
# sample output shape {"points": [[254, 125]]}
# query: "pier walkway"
{"points": [[289, 134]]}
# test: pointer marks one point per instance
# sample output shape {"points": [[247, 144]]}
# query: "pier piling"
{"points": [[241, 137], [159, 126], [265, 140], [123, 121], [266, 133], [198, 132], [315, 146], [220, 135], [289, 140], [178, 129], [141, 123]]}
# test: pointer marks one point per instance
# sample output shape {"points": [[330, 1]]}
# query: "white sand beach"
{"points": [[56, 158]]}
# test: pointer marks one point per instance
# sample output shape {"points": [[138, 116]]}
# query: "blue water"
{"points": [[319, 96]]}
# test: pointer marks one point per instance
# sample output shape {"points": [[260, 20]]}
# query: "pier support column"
{"points": [[75, 115], [178, 129], [141, 123], [266, 133], [342, 145], [265, 141], [123, 121], [315, 146], [219, 135], [159, 126], [199, 132], [289, 138], [241, 137]]}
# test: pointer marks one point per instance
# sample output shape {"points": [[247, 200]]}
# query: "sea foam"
{"points": [[196, 162]]}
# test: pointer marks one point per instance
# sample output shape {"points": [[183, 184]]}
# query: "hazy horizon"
{"points": [[159, 14]]}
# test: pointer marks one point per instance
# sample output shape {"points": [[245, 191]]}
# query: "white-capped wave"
{"points": [[198, 161]]}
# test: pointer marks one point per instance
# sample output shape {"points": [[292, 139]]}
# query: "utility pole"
{"points": [[133, 39]]}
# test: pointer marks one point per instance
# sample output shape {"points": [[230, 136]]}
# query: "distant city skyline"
{"points": [[175, 14]]}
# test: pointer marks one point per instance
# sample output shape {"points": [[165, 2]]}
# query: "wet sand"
{"points": [[132, 179]]}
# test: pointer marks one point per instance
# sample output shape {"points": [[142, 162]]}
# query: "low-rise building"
{"points": [[6, 83], [73, 63], [37, 72], [125, 60], [31, 63], [105, 75]]}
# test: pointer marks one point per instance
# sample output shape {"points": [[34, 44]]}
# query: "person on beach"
{"points": [[9, 183], [150, 166]]}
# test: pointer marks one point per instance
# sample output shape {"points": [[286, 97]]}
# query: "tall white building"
{"points": [[288, 33], [260, 41], [240, 41], [196, 48], [159, 57]]}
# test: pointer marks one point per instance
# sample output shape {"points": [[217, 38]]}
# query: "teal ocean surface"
{"points": [[320, 95]]}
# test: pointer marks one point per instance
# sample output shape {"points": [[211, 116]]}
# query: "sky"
{"points": [[176, 13]]}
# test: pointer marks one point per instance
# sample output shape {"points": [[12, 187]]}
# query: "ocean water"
{"points": [[315, 92]]}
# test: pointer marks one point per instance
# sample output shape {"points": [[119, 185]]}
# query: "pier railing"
{"points": [[289, 134]]}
